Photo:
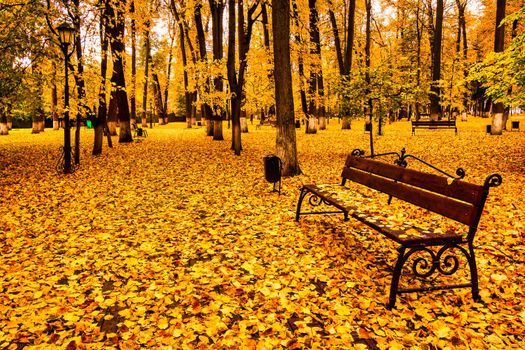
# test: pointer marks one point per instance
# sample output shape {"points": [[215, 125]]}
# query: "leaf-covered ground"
{"points": [[173, 242]]}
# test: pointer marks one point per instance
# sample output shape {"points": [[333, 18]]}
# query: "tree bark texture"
{"points": [[133, 87], [286, 147], [201, 40], [217, 11], [435, 90], [147, 58], [300, 59], [118, 21], [100, 123], [498, 109]]}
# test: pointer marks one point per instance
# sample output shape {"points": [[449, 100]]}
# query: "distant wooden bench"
{"points": [[434, 124], [458, 200], [266, 122]]}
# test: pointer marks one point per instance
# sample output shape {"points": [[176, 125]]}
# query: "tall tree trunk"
{"points": [[4, 130], [157, 96], [435, 90], [54, 98], [217, 10], [286, 147], [182, 37], [112, 114], [236, 80], [344, 58], [133, 88], [300, 59], [418, 58], [117, 21], [83, 108], [266, 40], [498, 109], [38, 110], [368, 43], [315, 63], [201, 40], [101, 122], [147, 57], [462, 39], [168, 78], [232, 76]]}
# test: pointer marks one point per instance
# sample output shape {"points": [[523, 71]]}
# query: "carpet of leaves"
{"points": [[174, 242]]}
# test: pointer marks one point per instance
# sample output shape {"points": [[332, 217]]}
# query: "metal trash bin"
{"points": [[272, 170]]}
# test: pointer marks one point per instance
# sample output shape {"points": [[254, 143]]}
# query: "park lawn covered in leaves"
{"points": [[173, 242]]}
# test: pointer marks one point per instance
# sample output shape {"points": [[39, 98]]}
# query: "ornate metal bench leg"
{"points": [[395, 278], [300, 202], [473, 273]]}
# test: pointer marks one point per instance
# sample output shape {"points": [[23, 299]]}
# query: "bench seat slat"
{"points": [[436, 123], [453, 209], [344, 199], [457, 189]]}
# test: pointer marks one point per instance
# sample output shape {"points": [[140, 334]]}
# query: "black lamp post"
{"points": [[66, 34]]}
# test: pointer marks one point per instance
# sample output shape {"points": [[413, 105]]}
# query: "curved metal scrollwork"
{"points": [[444, 261], [316, 201], [402, 161], [420, 266], [448, 263], [493, 180], [358, 152], [460, 172]]}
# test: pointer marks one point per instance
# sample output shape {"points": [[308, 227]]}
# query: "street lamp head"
{"points": [[66, 33]]}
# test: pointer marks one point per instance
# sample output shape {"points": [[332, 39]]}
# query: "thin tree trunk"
{"points": [[54, 98], [266, 40], [316, 105], [418, 58], [236, 80], [286, 139], [217, 10], [232, 76], [168, 74], [101, 123], [498, 109], [182, 38], [368, 43], [117, 21], [462, 39], [147, 56], [157, 95], [4, 130], [344, 59], [206, 109], [300, 63], [83, 108], [133, 87], [435, 90]]}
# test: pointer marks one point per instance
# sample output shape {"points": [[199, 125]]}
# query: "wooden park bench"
{"points": [[434, 124], [447, 196], [266, 122]]}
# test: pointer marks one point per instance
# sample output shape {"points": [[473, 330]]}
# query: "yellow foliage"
{"points": [[173, 242]]}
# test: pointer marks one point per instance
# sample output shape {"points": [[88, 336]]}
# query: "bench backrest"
{"points": [[457, 200], [434, 122]]}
